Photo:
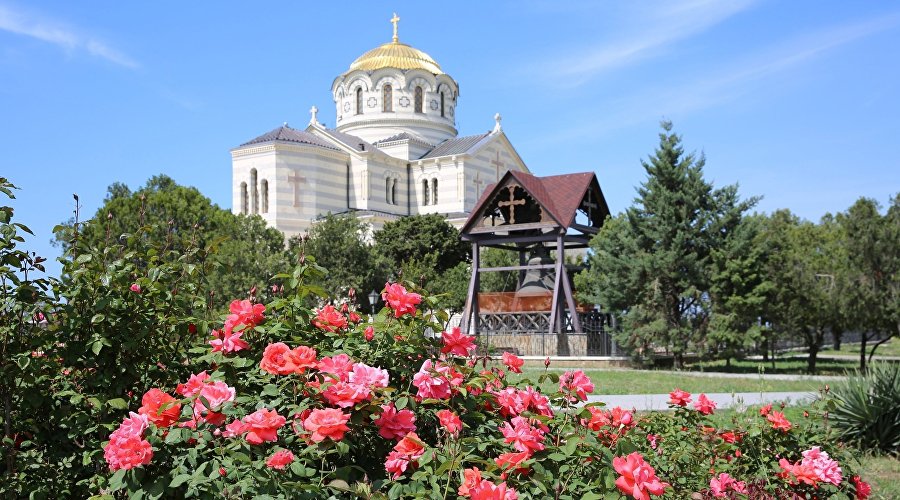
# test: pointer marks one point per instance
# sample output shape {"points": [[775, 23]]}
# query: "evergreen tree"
{"points": [[654, 261], [741, 289]]}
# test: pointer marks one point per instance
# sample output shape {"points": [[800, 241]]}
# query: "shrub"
{"points": [[288, 401], [868, 413]]}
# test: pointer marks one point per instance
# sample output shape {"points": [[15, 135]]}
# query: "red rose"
{"points": [[160, 408]]}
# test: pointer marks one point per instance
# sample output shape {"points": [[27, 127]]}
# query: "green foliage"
{"points": [[873, 290], [178, 218], [740, 290], [25, 306], [427, 239], [339, 243], [868, 413], [808, 268], [654, 262], [499, 281]]}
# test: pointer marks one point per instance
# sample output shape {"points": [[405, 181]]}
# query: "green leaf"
{"points": [[118, 404], [179, 480], [401, 403], [115, 482]]}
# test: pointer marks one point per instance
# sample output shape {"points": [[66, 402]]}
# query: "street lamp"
{"points": [[373, 298]]}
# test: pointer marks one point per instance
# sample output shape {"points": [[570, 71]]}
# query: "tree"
{"points": [[653, 262], [807, 267], [242, 249], [428, 239], [871, 248], [339, 243], [740, 289]]}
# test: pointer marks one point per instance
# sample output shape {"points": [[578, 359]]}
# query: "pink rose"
{"points": [[704, 405], [450, 422], [393, 424], [679, 398], [636, 477], [329, 319], [328, 423], [513, 362], [456, 342], [262, 425], [576, 382], [398, 299], [280, 459]]}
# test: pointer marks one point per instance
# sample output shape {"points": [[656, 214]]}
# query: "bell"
{"points": [[538, 281]]}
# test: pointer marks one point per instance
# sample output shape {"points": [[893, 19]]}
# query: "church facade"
{"points": [[395, 150]]}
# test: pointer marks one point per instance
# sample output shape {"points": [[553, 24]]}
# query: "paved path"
{"points": [[723, 400]]}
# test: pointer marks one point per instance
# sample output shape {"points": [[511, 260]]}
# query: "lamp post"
{"points": [[373, 298]]}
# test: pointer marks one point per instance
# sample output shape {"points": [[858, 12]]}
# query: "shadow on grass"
{"points": [[788, 366]]}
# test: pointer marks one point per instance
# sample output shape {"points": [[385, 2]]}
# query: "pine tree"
{"points": [[654, 261]]}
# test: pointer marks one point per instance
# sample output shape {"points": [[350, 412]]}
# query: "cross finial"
{"points": [[312, 119], [395, 20], [497, 127]]}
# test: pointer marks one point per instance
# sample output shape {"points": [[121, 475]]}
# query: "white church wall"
{"points": [[374, 123]]}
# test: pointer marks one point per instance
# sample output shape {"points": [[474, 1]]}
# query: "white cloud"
{"points": [[710, 90], [49, 31], [645, 33]]}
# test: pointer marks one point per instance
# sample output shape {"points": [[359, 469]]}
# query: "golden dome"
{"points": [[395, 55]]}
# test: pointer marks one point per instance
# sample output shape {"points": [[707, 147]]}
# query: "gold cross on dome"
{"points": [[395, 20]]}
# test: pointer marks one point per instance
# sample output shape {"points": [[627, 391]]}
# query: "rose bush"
{"points": [[323, 404]]}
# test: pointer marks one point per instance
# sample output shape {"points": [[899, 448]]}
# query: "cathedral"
{"points": [[394, 151]]}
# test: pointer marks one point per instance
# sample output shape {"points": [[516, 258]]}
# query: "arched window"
{"points": [[387, 98], [434, 189], [425, 191], [418, 98], [394, 191], [359, 107], [388, 191], [244, 198], [254, 192], [442, 104], [264, 187]]}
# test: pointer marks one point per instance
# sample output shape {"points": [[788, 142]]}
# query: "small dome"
{"points": [[395, 55]]}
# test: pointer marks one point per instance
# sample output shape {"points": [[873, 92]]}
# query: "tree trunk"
{"points": [[862, 353], [679, 361], [811, 362], [836, 337]]}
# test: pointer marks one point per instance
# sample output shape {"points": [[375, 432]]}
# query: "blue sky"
{"points": [[795, 101]]}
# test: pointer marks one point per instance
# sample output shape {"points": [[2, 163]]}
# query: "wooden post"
{"points": [[471, 309], [567, 286]]}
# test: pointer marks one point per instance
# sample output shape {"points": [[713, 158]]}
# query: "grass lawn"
{"points": [[789, 365], [883, 473], [649, 382], [889, 348]]}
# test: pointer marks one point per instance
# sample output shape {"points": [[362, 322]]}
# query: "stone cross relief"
{"points": [[296, 180], [478, 183], [511, 204], [497, 165]]}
